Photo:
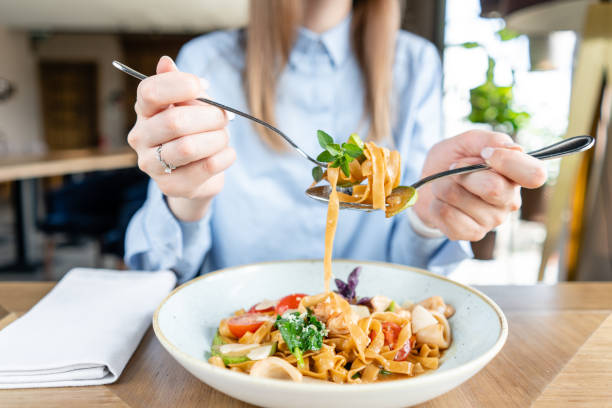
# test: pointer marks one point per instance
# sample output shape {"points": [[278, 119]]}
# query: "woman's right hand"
{"points": [[193, 137]]}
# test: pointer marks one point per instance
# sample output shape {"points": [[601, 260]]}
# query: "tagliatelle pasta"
{"points": [[336, 336], [377, 347], [333, 208], [382, 170]]}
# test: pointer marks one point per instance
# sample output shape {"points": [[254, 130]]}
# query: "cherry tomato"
{"points": [[391, 331], [247, 322], [289, 302], [404, 351]]}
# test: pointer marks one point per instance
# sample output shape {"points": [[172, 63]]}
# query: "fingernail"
{"points": [[452, 166], [172, 62], [204, 83], [511, 144], [487, 152], [230, 115]]}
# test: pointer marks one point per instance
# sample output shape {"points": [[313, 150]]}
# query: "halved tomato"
{"points": [[391, 331], [372, 335], [404, 351], [248, 322], [289, 302]]}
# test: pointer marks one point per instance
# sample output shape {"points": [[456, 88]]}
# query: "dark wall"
{"points": [[425, 18]]}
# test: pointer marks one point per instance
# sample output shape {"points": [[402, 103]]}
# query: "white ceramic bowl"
{"points": [[187, 319]]}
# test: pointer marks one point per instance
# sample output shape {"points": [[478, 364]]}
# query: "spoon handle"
{"points": [[564, 147], [141, 76]]}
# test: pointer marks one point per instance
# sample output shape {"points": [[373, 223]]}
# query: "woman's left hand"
{"points": [[466, 207]]}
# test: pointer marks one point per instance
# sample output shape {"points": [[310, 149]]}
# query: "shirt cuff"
{"points": [[156, 239], [419, 226], [439, 255]]}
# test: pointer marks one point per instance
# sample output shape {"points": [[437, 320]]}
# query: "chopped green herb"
{"points": [[392, 306], [301, 332], [356, 375], [339, 155], [384, 372]]}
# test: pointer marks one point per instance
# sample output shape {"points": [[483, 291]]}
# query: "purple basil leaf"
{"points": [[353, 279], [342, 287], [364, 301]]}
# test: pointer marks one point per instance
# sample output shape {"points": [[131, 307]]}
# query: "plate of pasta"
{"points": [[379, 335]]}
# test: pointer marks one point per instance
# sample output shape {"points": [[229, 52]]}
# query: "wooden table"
{"points": [[62, 162], [24, 170], [548, 325]]}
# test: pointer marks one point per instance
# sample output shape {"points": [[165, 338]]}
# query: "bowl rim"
{"points": [[417, 381]]}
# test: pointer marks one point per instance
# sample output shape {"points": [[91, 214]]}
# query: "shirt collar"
{"points": [[336, 42]]}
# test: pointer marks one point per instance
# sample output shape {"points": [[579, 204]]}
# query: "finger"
{"points": [[468, 161], [519, 167], [471, 143], [165, 64], [191, 148], [455, 224], [486, 215], [212, 186], [204, 85], [183, 120], [157, 92], [491, 187], [186, 180], [229, 115]]}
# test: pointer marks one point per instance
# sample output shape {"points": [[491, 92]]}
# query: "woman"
{"points": [[335, 65]]}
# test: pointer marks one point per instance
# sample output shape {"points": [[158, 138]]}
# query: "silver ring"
{"points": [[167, 166]]}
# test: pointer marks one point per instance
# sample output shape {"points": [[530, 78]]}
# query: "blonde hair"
{"points": [[270, 36]]}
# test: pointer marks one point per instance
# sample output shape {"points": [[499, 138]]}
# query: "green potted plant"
{"points": [[493, 105]]}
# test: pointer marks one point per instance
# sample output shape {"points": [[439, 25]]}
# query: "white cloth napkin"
{"points": [[84, 331]]}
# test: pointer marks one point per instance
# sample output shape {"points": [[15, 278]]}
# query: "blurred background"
{"points": [[538, 70]]}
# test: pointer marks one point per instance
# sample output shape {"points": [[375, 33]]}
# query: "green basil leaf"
{"points": [[324, 139], [334, 149], [317, 173], [345, 168], [335, 163], [352, 150], [356, 140], [325, 156]]}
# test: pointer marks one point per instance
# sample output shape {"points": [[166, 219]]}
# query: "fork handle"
{"points": [[567, 146], [139, 75]]}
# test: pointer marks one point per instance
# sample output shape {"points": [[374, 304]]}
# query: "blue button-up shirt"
{"points": [[262, 213]]}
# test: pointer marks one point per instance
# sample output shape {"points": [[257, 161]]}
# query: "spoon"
{"points": [[138, 75], [402, 197]]}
